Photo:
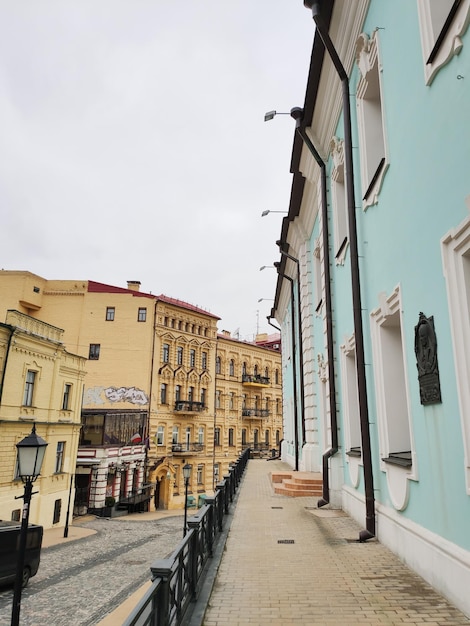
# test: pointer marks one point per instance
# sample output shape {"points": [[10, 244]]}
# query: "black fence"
{"points": [[177, 580]]}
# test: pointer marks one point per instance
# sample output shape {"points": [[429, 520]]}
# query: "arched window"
{"points": [[232, 368]]}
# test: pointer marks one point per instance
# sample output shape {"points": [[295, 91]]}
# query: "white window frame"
{"points": [[200, 435], [29, 387], [451, 43], [160, 436], [455, 247], [392, 396], [59, 457], [350, 397], [318, 285], [338, 193], [373, 154], [67, 397]]}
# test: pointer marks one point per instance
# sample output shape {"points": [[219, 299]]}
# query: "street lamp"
{"points": [[186, 473], [270, 115], [264, 213], [31, 452], [263, 299]]}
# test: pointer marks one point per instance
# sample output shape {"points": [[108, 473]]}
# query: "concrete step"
{"points": [[297, 484]]}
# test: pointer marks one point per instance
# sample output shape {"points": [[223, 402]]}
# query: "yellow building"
{"points": [[153, 401], [41, 383], [248, 397]]}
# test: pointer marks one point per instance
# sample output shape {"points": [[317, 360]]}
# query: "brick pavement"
{"points": [[320, 575]]}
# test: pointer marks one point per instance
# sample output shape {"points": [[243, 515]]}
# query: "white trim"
{"points": [[455, 249], [371, 125], [350, 407], [452, 43], [397, 477]]}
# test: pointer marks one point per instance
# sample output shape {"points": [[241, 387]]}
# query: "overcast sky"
{"points": [[133, 146]]}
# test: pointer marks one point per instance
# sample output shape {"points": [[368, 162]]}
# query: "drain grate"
{"points": [[286, 541]]}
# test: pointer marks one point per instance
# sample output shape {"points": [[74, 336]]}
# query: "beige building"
{"points": [[41, 383], [156, 395]]}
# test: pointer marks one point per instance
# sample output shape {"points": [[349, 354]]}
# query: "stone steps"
{"points": [[297, 484]]}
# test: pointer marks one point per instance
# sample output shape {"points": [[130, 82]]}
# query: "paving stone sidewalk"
{"points": [[81, 582], [287, 562]]}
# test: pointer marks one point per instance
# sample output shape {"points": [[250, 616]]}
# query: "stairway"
{"points": [[297, 484]]}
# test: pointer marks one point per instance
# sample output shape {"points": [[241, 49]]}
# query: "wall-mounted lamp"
{"points": [[263, 267], [272, 114], [264, 213], [262, 299]]}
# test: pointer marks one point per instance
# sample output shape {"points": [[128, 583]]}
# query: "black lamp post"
{"points": [[31, 452], [186, 473]]}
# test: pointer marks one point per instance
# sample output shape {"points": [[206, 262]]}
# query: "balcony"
{"points": [[255, 413], [185, 449], [255, 380], [188, 407]]}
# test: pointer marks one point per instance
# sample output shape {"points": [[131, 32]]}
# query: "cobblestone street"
{"points": [[80, 582]]}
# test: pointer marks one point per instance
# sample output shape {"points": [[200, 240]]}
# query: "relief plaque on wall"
{"points": [[426, 361]]}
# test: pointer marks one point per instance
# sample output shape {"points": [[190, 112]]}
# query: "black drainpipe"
{"points": [[294, 367], [7, 353], [355, 277], [297, 114], [281, 245]]}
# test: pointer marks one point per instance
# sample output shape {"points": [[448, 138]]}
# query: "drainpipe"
{"points": [[7, 353], [294, 368], [355, 277], [269, 318], [301, 345], [297, 114]]}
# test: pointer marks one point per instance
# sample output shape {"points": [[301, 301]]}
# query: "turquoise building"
{"points": [[373, 292]]}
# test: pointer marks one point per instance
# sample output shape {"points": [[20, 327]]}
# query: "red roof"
{"points": [[185, 305], [94, 287]]}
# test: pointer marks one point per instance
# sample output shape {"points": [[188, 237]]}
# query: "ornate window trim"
{"points": [[338, 192], [456, 260], [370, 118], [438, 49], [393, 407]]}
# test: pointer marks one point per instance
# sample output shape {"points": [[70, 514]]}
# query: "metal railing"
{"points": [[188, 406], [187, 447], [255, 412], [177, 580], [255, 378]]}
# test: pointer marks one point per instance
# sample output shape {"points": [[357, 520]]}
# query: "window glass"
{"points": [[110, 311], [94, 352], [66, 397], [142, 314], [29, 388]]}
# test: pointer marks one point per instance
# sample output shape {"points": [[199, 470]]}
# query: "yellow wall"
{"points": [[131, 369], [38, 347]]}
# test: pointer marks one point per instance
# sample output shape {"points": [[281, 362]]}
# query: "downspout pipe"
{"points": [[355, 276], [269, 318], [297, 114], [294, 367], [281, 245]]}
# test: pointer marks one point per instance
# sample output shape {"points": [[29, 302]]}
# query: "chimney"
{"points": [[226, 333], [133, 285]]}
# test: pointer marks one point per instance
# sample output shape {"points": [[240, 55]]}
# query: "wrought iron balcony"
{"points": [[188, 406], [256, 413], [187, 448], [255, 380]]}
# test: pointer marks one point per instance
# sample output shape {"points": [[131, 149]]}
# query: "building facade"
{"points": [[152, 401], [41, 383], [379, 223]]}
